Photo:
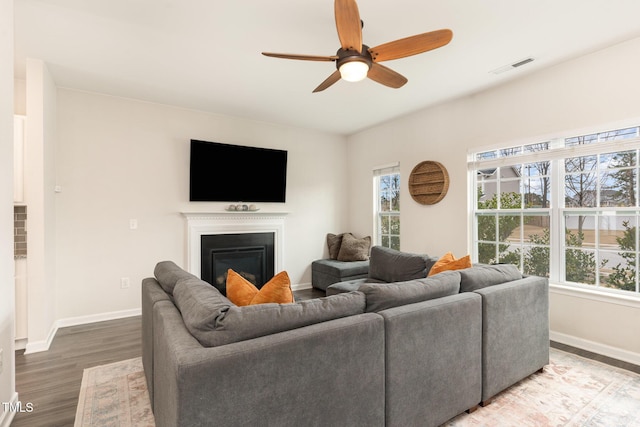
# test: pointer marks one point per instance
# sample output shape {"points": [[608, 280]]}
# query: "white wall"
{"points": [[7, 316], [120, 159], [597, 89], [39, 183]]}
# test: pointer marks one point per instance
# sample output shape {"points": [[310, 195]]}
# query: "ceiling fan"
{"points": [[356, 61]]}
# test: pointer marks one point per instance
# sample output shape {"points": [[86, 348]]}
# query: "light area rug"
{"points": [[572, 391], [114, 395]]}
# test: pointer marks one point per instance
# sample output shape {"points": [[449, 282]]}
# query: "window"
{"points": [[566, 209], [386, 188]]}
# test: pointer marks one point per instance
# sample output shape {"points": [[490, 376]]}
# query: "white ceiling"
{"points": [[205, 54]]}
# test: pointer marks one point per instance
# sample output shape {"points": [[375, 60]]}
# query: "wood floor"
{"points": [[50, 380]]}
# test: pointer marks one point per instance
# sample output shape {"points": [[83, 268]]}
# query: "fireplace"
{"points": [[243, 253], [248, 254]]}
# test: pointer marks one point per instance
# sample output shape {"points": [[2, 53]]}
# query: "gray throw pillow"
{"points": [[390, 265], [333, 243], [381, 296], [354, 249], [200, 304], [213, 320], [168, 274], [481, 275]]}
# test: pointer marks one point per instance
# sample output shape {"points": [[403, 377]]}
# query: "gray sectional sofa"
{"points": [[413, 352]]}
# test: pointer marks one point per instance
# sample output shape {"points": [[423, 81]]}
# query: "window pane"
{"points": [[384, 224], [580, 231], [581, 140], [618, 188], [510, 255], [537, 185], [536, 260], [508, 152], [395, 200], [581, 164], [486, 155], [617, 160], [486, 253], [536, 229], [487, 227], [540, 146], [620, 271], [384, 241], [580, 190], [394, 223], [616, 135], [486, 193], [580, 266], [509, 228], [395, 243]]}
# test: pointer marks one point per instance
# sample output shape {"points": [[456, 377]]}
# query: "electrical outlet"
{"points": [[125, 283], [133, 224]]}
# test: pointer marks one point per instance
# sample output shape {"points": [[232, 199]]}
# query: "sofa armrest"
{"points": [[515, 328], [433, 359], [337, 365], [152, 293]]}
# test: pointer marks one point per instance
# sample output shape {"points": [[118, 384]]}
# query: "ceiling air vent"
{"points": [[512, 66]]}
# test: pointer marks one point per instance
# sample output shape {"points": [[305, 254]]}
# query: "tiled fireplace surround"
{"points": [[200, 224]]}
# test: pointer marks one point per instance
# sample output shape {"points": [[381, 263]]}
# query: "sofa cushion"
{"points": [[213, 320], [354, 249], [482, 275], [449, 262], [168, 274], [390, 265], [381, 296], [242, 292], [339, 269]]}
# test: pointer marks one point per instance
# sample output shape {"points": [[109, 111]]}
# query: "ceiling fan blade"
{"points": [[328, 82], [302, 57], [348, 25], [386, 76], [411, 45]]}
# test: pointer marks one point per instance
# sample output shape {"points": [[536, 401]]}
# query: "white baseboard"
{"points": [[595, 347], [101, 317], [21, 344], [7, 416], [301, 286], [38, 346], [42, 345]]}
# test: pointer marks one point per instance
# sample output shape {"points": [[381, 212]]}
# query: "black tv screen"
{"points": [[235, 173]]}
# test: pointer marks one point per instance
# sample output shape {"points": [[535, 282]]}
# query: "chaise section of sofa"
{"points": [[325, 272]]}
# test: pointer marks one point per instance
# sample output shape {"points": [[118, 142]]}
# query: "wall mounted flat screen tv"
{"points": [[235, 173]]}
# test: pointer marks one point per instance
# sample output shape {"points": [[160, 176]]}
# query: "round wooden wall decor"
{"points": [[428, 182]]}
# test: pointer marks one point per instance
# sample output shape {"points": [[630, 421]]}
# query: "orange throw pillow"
{"points": [[242, 292], [449, 262]]}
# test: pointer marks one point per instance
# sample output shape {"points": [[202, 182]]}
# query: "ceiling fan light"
{"points": [[354, 71]]}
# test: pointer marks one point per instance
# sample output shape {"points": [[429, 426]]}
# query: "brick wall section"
{"points": [[20, 231]]}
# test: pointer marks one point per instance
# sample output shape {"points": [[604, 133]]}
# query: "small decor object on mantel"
{"points": [[241, 207], [428, 182]]}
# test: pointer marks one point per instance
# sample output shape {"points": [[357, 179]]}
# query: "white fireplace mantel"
{"points": [[203, 224]]}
